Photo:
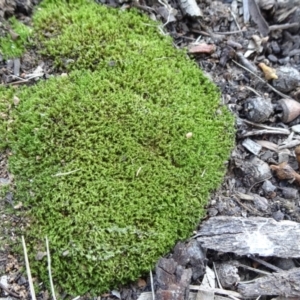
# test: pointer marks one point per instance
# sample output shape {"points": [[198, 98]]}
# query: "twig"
{"points": [[270, 86], [254, 184], [229, 32], [254, 270], [4, 288], [253, 210], [283, 26], [32, 292], [49, 269], [253, 90], [152, 285], [266, 264], [261, 132], [66, 173], [282, 130], [215, 290]]}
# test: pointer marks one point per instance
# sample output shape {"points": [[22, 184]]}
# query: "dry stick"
{"points": [[270, 86], [32, 292], [49, 269]]}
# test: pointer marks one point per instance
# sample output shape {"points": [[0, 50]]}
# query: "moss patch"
{"points": [[101, 158], [14, 47]]}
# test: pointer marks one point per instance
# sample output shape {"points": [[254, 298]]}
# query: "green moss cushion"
{"points": [[101, 157]]}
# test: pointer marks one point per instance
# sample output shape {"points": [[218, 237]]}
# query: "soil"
{"points": [[231, 51]]}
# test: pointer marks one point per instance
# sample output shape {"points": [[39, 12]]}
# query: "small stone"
{"points": [[268, 187], [278, 215], [272, 58], [275, 47], [290, 193], [40, 255], [261, 203], [288, 79], [258, 109], [296, 128]]}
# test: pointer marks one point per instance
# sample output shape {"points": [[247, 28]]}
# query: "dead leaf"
{"points": [[285, 172], [269, 73]]}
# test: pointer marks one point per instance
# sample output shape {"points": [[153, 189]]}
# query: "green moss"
{"points": [[101, 158], [11, 48]]}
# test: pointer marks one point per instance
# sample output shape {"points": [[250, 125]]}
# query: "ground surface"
{"points": [[229, 44]]}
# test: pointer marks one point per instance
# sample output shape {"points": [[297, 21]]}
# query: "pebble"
{"points": [[268, 187], [288, 79], [296, 128], [272, 58], [275, 47], [278, 215]]}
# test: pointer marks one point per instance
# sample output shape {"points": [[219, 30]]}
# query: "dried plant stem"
{"points": [[66, 173], [32, 292], [49, 269]]}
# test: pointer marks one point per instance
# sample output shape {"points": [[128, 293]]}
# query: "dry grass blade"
{"points": [[49, 269], [152, 286], [32, 292]]}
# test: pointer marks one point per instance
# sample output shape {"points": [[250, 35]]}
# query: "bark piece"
{"points": [[284, 283], [252, 146], [254, 235], [173, 280], [192, 255]]}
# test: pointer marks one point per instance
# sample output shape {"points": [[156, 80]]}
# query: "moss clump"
{"points": [[101, 157], [14, 47]]}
